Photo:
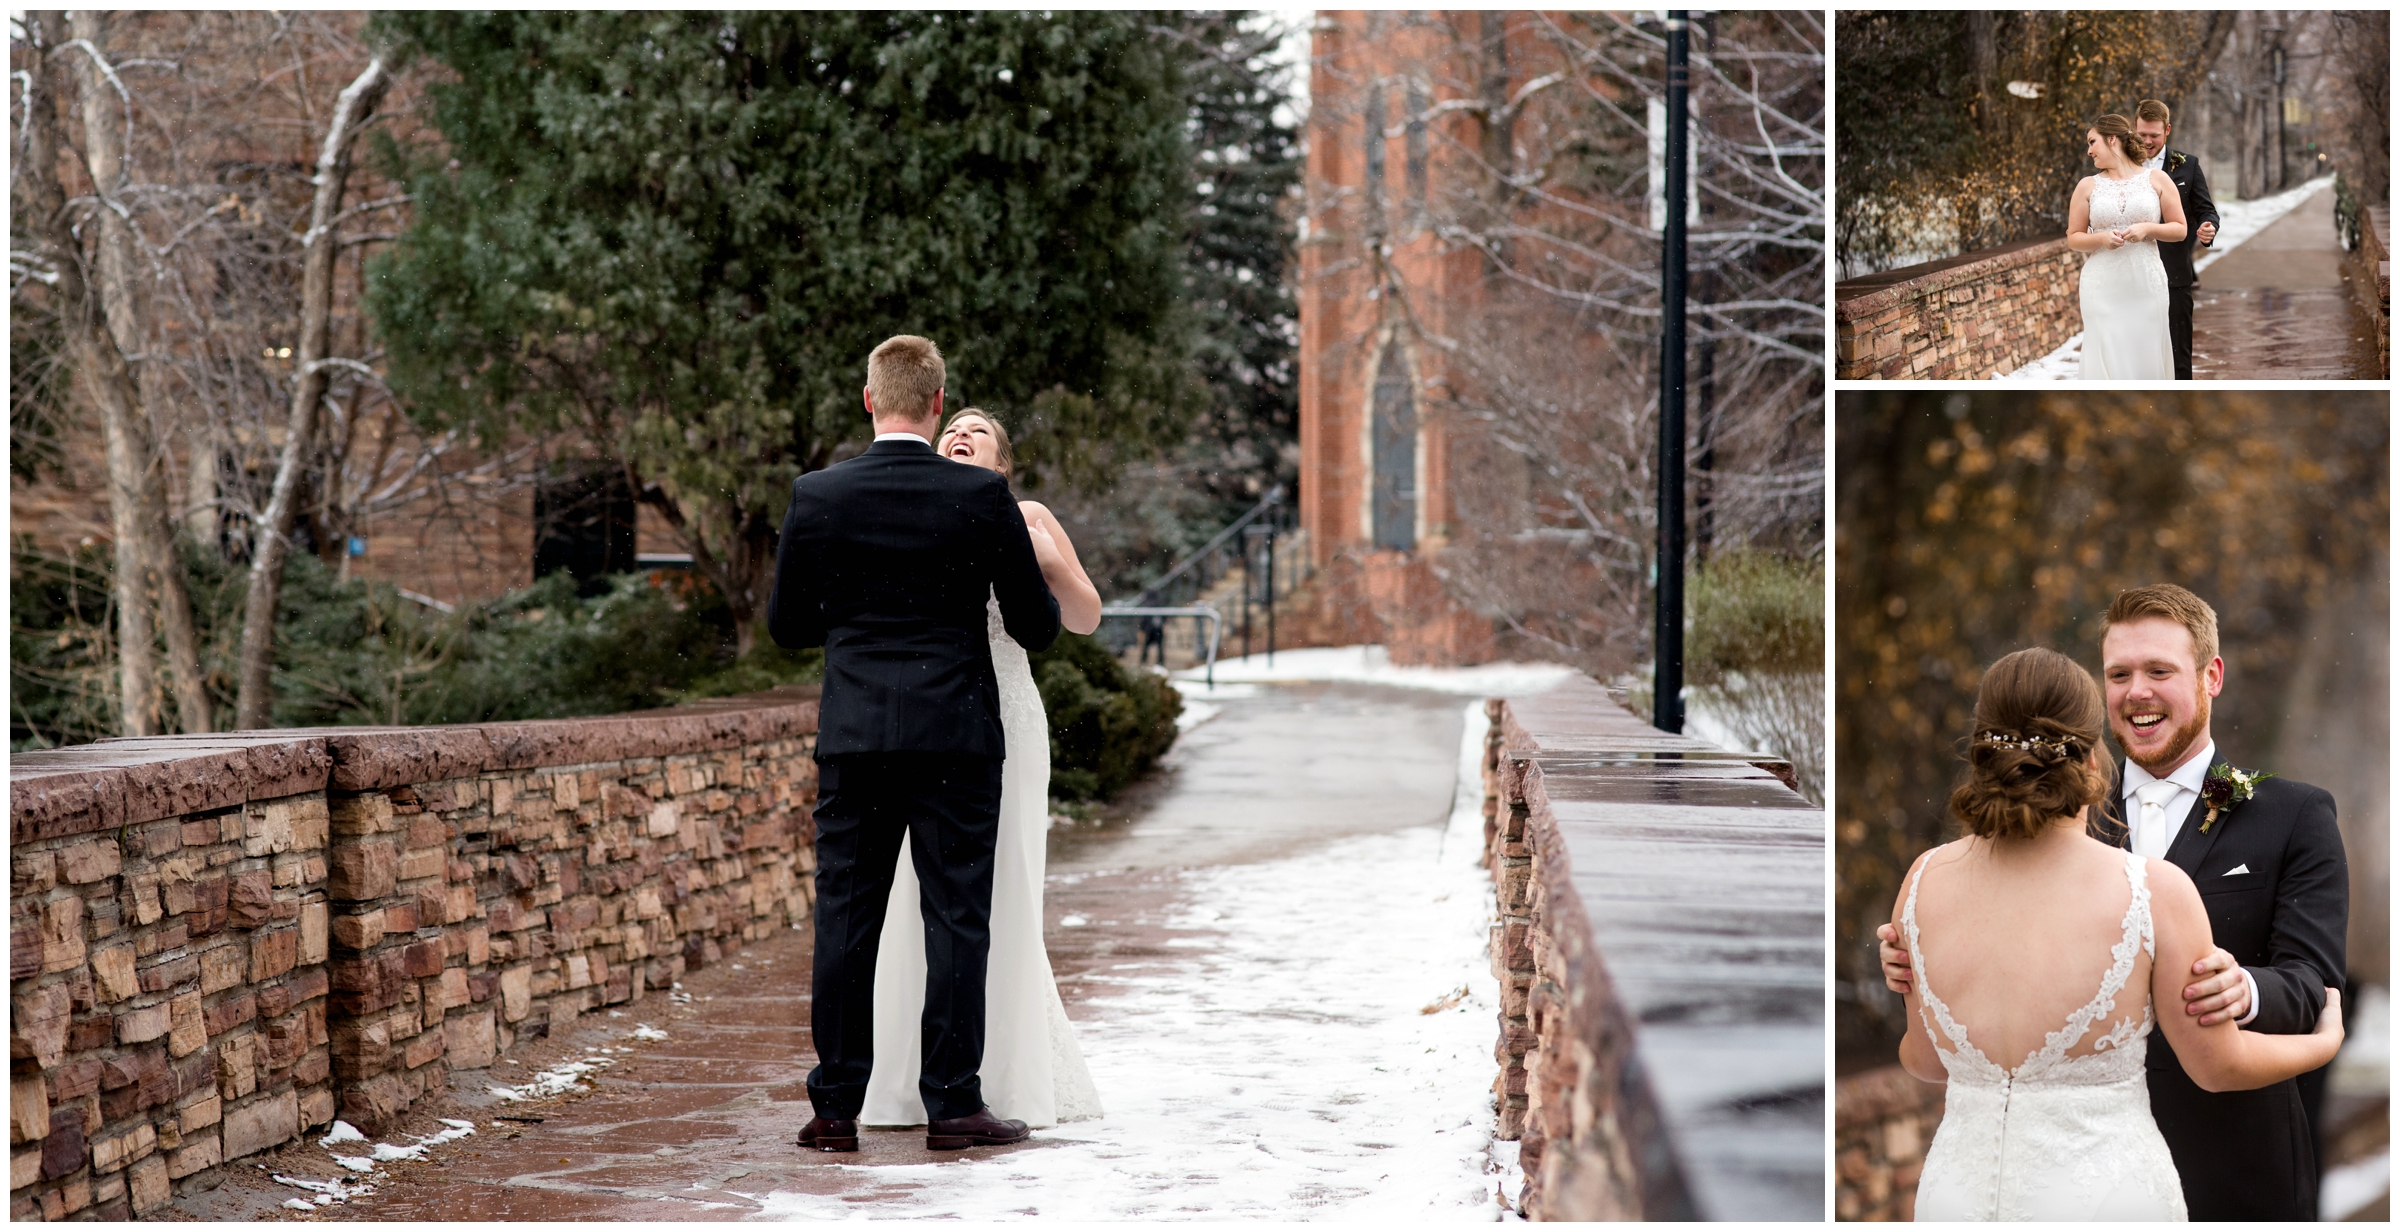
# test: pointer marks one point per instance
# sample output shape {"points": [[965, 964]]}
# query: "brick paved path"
{"points": [[2278, 307]]}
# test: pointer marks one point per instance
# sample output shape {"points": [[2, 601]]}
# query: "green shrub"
{"points": [[1108, 723], [1752, 612]]}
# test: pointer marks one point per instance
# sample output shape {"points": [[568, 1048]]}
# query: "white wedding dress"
{"points": [[2124, 290], [1032, 1070], [2060, 1137]]}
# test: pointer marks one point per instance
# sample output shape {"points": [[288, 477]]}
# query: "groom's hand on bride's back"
{"points": [[2219, 994], [1898, 973]]}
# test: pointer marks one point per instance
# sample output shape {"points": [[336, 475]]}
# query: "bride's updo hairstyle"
{"points": [[2117, 128], [2038, 716]]}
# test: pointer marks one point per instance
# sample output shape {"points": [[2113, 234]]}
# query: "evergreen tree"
{"points": [[682, 233]]}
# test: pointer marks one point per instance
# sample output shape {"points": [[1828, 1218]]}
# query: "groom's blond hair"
{"points": [[2167, 601], [904, 374], [2153, 111]]}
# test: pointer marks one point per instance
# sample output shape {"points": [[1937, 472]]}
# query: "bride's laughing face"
{"points": [[969, 439], [2158, 696]]}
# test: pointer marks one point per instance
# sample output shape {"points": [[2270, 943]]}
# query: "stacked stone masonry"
{"points": [[1883, 1121], [2372, 280], [218, 943], [1967, 318]]}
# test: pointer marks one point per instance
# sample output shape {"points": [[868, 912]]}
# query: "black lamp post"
{"points": [[1667, 687]]}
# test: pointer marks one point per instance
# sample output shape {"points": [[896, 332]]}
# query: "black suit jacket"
{"points": [[2248, 1155], [2198, 207], [886, 561], [2286, 919]]}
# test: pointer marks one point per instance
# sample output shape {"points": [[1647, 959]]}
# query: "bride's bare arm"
{"points": [[2080, 235], [2171, 226], [1078, 599], [1917, 1053], [2223, 1057]]}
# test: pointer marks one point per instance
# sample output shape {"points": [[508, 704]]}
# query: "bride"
{"points": [[1032, 1071], [2039, 953], [2118, 217]]}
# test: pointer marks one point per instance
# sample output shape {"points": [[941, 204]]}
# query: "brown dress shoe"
{"points": [[981, 1129], [826, 1134]]}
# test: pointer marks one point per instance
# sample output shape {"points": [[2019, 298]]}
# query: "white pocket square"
{"points": [[2237, 870]]}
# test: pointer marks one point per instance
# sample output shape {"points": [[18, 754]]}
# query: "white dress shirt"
{"points": [[2156, 162], [2179, 809], [881, 437]]}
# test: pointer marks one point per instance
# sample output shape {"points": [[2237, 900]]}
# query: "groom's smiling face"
{"points": [[2158, 694]]}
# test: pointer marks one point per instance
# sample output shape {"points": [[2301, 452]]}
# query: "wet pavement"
{"points": [[2280, 308], [1188, 928]]}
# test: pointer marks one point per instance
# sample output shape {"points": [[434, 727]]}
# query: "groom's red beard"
{"points": [[2180, 741]]}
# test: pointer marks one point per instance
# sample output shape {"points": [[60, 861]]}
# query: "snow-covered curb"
{"points": [[2237, 221]]}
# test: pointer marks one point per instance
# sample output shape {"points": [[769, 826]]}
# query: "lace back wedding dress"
{"points": [[1032, 1069], [2124, 290], [2066, 1135]]}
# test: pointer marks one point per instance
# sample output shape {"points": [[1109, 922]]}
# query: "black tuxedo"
{"points": [[887, 561], [2198, 207], [2249, 1155]]}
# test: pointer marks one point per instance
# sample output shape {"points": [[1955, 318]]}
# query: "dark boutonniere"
{"points": [[2225, 787]]}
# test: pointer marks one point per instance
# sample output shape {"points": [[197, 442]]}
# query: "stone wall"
{"points": [[1967, 318], [1660, 954], [2372, 279], [220, 942], [1883, 1120]]}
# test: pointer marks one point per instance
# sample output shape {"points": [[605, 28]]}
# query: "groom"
{"points": [[886, 561], [2151, 122], [2272, 878]]}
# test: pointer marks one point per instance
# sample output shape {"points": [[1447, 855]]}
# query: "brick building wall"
{"points": [[1375, 282]]}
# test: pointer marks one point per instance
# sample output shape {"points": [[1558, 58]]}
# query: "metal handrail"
{"points": [[1273, 497], [1215, 619]]}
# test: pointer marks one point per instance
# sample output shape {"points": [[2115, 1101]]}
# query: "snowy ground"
{"points": [[2237, 221], [1323, 1053], [1373, 665]]}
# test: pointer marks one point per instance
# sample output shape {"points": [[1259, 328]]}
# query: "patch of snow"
{"points": [[556, 1080], [2350, 1187], [299, 1205], [1373, 665], [360, 1164], [644, 1031], [2237, 221], [1285, 1068], [342, 1131], [1072, 921]]}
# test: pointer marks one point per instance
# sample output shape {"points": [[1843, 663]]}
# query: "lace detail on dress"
{"points": [[2059, 1137], [2122, 203]]}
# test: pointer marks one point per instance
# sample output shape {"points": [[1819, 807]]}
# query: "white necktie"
{"points": [[2150, 829]]}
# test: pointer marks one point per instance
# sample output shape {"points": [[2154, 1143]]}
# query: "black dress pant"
{"points": [[948, 806], [2179, 326], [2242, 1155]]}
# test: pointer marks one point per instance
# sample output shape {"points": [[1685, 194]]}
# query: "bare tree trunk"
{"points": [[320, 247], [95, 357], [136, 459]]}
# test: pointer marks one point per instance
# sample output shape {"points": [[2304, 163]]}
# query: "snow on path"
{"points": [[2237, 221], [1288, 1069], [1368, 665]]}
